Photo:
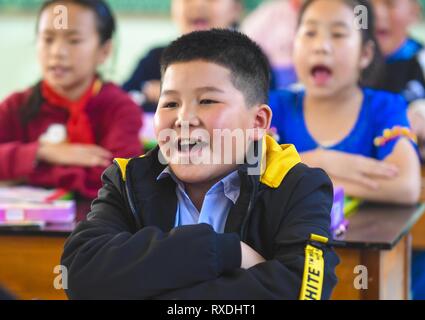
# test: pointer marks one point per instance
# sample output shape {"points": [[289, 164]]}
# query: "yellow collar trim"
{"points": [[122, 164], [279, 159]]}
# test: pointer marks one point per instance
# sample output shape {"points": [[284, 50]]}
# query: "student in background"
{"points": [[360, 136], [189, 16], [404, 70], [177, 225], [64, 131], [273, 25]]}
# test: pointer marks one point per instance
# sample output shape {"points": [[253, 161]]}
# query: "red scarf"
{"points": [[78, 126]]}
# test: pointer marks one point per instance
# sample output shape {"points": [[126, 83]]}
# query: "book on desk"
{"points": [[343, 206], [31, 207]]}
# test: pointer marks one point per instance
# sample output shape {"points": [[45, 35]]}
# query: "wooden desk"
{"points": [[379, 238], [418, 231], [28, 258]]}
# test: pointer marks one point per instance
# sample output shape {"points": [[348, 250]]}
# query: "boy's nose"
{"points": [[187, 116]]}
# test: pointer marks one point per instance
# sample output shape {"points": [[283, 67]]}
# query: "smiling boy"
{"points": [[168, 226]]}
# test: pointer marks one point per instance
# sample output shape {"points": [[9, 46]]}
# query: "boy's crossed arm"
{"points": [[280, 277], [106, 260]]}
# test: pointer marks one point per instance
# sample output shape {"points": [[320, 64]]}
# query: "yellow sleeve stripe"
{"points": [[311, 288], [317, 238]]}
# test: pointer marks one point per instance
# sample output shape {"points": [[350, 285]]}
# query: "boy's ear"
{"points": [[105, 51], [368, 52], [263, 117]]}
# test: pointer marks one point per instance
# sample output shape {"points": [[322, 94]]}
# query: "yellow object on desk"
{"points": [[350, 205]]}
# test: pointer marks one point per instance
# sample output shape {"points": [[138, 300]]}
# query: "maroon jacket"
{"points": [[115, 120]]}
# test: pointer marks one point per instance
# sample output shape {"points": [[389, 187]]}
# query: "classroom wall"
{"points": [[136, 35], [145, 6], [18, 63]]}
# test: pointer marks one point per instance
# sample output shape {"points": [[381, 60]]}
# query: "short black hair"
{"points": [[249, 67]]}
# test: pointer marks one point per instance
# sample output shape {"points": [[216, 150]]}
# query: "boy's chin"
{"points": [[194, 174], [191, 176]]}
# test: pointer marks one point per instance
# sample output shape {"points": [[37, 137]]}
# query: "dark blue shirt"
{"points": [[403, 72], [147, 69]]}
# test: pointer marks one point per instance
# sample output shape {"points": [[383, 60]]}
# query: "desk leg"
{"points": [[418, 234], [388, 273], [418, 230]]}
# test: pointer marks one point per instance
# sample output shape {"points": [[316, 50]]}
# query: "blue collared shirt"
{"points": [[216, 206]]}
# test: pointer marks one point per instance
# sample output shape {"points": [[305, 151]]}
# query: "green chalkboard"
{"points": [[139, 6]]}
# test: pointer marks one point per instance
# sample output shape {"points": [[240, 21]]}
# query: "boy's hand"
{"points": [[152, 90], [355, 168], [250, 257], [67, 154]]}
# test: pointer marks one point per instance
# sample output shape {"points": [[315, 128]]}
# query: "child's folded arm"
{"points": [[120, 132], [337, 163], [120, 138], [404, 188], [281, 276], [108, 259], [83, 180], [395, 179], [18, 159]]}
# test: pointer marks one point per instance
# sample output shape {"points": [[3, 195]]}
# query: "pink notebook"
{"points": [[21, 203]]}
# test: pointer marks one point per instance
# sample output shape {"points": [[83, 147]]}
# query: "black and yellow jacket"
{"points": [[129, 249]]}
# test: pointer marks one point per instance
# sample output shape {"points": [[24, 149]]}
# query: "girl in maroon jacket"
{"points": [[65, 130]]}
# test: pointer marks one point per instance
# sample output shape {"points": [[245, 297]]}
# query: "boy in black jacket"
{"points": [[205, 216]]}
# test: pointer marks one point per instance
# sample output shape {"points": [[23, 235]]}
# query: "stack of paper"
{"points": [[22, 204]]}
